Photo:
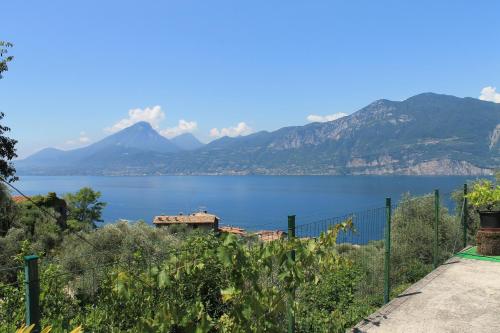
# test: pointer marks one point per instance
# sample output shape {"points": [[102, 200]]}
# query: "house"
{"points": [[19, 199], [199, 220], [270, 235], [233, 230]]}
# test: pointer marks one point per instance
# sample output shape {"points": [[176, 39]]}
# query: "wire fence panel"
{"points": [[426, 231], [73, 292], [368, 226], [452, 234], [358, 274]]}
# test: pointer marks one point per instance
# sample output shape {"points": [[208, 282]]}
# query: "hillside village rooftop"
{"points": [[270, 235], [233, 230], [19, 198], [194, 220]]}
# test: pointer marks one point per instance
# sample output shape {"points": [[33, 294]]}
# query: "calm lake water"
{"points": [[252, 202]]}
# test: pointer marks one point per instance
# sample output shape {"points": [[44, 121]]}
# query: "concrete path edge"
{"points": [[376, 318]]}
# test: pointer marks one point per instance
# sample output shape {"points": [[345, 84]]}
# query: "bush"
{"points": [[413, 237]]}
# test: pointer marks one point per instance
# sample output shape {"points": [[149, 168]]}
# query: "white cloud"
{"points": [[82, 140], [313, 118], [153, 115], [490, 94], [183, 127], [240, 129]]}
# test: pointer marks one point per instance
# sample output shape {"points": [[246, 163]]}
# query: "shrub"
{"points": [[485, 196], [413, 237]]}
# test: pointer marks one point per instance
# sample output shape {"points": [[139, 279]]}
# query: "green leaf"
{"points": [[228, 293]]}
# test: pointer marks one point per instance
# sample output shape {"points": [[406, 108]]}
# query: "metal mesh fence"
{"points": [[412, 239], [452, 233], [363, 245], [368, 226], [425, 232], [75, 291], [84, 283]]}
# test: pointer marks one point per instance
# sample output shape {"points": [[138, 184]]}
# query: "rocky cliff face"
{"points": [[495, 137], [443, 167]]}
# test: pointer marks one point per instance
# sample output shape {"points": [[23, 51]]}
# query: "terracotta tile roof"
{"points": [[233, 230], [19, 198], [270, 235], [195, 218]]}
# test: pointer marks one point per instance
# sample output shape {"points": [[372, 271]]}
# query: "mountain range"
{"points": [[427, 134]]}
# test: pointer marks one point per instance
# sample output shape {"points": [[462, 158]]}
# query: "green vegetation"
{"points": [[472, 216], [131, 277], [47, 329], [485, 195], [85, 209], [7, 145], [4, 58], [152, 281]]}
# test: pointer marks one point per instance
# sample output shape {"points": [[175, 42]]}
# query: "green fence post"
{"points": [[32, 292], [291, 295], [464, 216], [387, 245], [436, 228]]}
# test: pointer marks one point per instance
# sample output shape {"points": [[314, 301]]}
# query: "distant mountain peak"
{"points": [[432, 97], [141, 125], [427, 94], [140, 135], [50, 149], [186, 141], [49, 152], [380, 102]]}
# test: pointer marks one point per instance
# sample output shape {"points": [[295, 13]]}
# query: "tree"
{"points": [[4, 59], [84, 207], [7, 145], [8, 210]]}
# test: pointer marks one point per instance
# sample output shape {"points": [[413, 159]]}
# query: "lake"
{"points": [[253, 202]]}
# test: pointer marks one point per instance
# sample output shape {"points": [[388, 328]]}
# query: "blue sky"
{"points": [[231, 67]]}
